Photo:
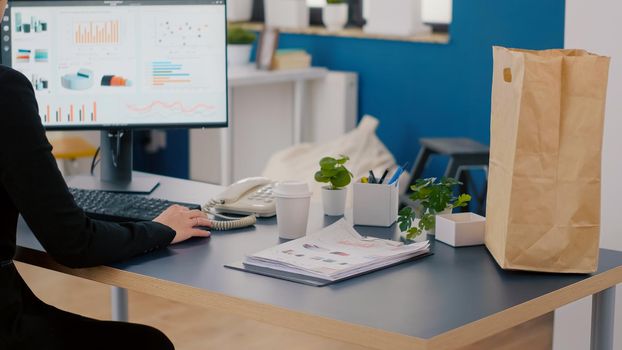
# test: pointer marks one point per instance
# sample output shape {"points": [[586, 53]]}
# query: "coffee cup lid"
{"points": [[291, 189]]}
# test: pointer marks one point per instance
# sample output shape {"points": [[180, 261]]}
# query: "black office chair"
{"points": [[464, 155]]}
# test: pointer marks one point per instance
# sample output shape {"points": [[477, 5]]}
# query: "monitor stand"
{"points": [[116, 167]]}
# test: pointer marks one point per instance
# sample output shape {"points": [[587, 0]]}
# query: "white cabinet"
{"points": [[270, 111]]}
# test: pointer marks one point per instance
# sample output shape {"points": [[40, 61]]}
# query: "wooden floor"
{"points": [[188, 327]]}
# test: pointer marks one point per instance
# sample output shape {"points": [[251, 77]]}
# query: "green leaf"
{"points": [[341, 179], [319, 177], [406, 211], [404, 226], [421, 193], [436, 196], [427, 222], [343, 159], [419, 183], [413, 233], [462, 200], [449, 182], [328, 173], [328, 163], [333, 170]]}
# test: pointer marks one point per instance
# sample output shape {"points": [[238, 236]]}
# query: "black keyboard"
{"points": [[120, 207]]}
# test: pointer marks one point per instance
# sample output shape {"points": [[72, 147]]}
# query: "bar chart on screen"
{"points": [[165, 73], [27, 24], [96, 32], [70, 114]]}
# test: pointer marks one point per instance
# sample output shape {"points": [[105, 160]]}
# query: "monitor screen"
{"points": [[121, 64]]}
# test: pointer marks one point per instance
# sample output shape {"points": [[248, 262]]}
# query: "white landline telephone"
{"points": [[251, 196]]}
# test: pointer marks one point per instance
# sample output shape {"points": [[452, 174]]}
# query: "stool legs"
{"points": [[422, 160], [462, 153]]}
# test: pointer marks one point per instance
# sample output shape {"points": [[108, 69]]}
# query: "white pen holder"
{"points": [[374, 204]]}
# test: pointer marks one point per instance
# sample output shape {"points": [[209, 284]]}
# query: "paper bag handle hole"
{"points": [[507, 75]]}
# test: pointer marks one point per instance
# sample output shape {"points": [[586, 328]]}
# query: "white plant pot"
{"points": [[335, 16], [394, 17], [239, 10], [286, 13], [239, 55], [334, 201]]}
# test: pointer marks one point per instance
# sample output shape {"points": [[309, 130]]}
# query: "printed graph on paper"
{"points": [[166, 110]]}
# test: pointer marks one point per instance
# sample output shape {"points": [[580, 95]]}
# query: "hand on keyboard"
{"points": [[121, 207], [184, 222]]}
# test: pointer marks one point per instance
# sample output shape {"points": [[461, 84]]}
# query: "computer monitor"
{"points": [[117, 66]]}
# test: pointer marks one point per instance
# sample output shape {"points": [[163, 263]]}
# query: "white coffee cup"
{"points": [[292, 208]]}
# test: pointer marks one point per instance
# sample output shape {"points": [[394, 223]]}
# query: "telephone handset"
{"points": [[251, 196]]}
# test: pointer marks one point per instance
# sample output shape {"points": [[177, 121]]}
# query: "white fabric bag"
{"points": [[365, 150]]}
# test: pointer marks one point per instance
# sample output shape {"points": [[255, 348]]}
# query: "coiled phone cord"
{"points": [[224, 225], [230, 223]]}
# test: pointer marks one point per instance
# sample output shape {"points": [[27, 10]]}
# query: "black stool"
{"points": [[464, 154]]}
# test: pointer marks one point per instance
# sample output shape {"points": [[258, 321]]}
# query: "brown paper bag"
{"points": [[543, 204]]}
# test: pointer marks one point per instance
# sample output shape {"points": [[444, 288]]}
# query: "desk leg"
{"points": [[603, 310], [299, 95], [118, 302]]}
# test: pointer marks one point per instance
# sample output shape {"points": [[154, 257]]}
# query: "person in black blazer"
{"points": [[32, 185]]}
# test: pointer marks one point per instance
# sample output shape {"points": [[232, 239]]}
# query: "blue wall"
{"points": [[423, 90]]}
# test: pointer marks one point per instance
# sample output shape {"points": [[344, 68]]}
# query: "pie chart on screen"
{"points": [[115, 81], [82, 80]]}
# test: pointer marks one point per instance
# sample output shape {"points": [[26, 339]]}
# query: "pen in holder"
{"points": [[375, 204]]}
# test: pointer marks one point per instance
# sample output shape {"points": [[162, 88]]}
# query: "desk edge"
{"points": [[282, 317], [516, 315], [329, 328]]}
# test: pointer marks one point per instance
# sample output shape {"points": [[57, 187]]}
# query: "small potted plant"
{"points": [[335, 15], [434, 198], [334, 172], [239, 45]]}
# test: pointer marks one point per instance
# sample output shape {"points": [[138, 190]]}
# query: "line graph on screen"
{"points": [[166, 109]]}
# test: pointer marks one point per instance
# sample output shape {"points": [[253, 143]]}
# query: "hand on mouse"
{"points": [[184, 222]]}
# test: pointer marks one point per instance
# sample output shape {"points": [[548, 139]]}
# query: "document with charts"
{"points": [[335, 252]]}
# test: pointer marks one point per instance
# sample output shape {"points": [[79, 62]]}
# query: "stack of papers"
{"points": [[336, 252]]}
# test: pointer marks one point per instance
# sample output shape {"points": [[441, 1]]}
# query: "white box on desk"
{"points": [[375, 204], [460, 229]]}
